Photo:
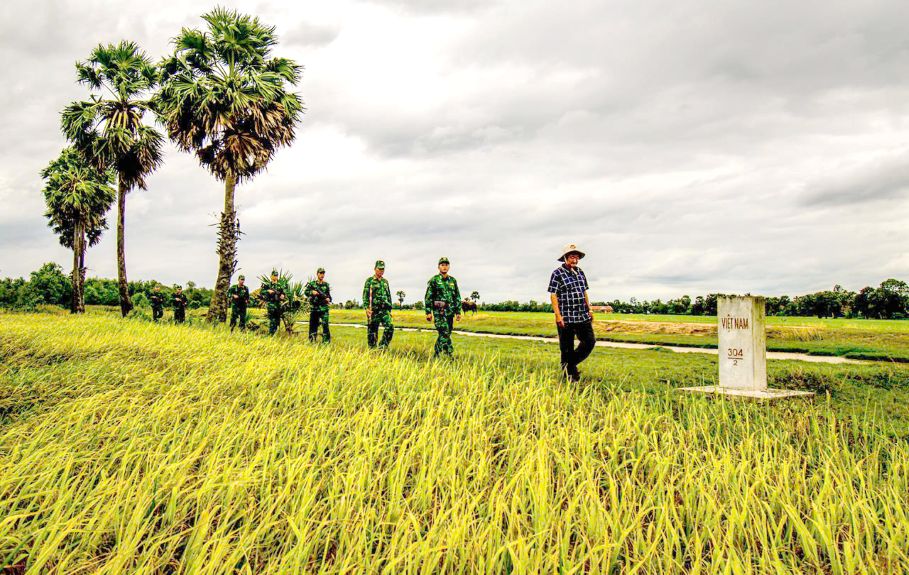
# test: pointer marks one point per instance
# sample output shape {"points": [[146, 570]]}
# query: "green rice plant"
{"points": [[127, 446]]}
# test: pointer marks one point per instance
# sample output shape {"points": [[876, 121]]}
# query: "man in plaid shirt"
{"points": [[568, 293]]}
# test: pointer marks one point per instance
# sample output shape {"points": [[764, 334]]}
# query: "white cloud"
{"points": [[691, 147]]}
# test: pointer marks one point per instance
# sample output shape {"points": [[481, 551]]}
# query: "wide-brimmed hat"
{"points": [[569, 248]]}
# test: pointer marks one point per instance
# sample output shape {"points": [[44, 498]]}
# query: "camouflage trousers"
{"points": [[378, 318], [237, 313], [444, 324], [274, 318], [157, 313], [317, 318]]}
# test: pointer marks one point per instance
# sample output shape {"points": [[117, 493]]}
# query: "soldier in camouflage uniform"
{"points": [[274, 294], [157, 302], [377, 301], [179, 302], [319, 294], [239, 302], [442, 303]]}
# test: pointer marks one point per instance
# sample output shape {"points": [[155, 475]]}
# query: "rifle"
{"points": [[318, 298]]}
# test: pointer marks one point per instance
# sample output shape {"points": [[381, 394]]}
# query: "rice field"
{"points": [[132, 447], [884, 340]]}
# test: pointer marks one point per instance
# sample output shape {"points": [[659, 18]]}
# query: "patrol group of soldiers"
{"points": [[567, 287], [442, 303], [178, 301]]}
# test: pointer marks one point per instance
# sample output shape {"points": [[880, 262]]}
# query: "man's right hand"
{"points": [[429, 317], [368, 313], [559, 321]]}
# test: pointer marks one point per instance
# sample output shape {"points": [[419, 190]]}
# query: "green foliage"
{"points": [[108, 128], [77, 197], [890, 300], [18, 294], [101, 291], [225, 98], [51, 285]]}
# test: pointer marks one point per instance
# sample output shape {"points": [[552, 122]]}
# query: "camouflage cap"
{"points": [[380, 265], [242, 277], [320, 271], [274, 272], [178, 286], [443, 260]]}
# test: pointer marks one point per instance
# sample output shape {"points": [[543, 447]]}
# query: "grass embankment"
{"points": [[886, 340], [132, 447]]}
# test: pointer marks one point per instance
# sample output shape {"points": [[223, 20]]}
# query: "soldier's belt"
{"points": [[440, 304]]}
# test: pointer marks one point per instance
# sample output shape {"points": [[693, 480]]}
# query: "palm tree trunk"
{"points": [[228, 234], [83, 247], [125, 304], [78, 301]]}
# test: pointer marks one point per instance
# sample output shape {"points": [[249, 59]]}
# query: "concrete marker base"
{"points": [[750, 393]]}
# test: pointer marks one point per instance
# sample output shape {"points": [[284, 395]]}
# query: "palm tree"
{"points": [[77, 197], [401, 295], [224, 98], [475, 296], [108, 128]]}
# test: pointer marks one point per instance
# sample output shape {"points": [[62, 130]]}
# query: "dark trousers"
{"points": [[179, 314], [237, 313], [274, 319], [380, 318], [157, 313], [317, 318], [571, 357], [444, 323]]}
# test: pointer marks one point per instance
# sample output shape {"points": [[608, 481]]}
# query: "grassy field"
{"points": [[132, 447], [886, 340]]}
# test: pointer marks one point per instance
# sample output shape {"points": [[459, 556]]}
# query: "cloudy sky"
{"points": [[689, 147]]}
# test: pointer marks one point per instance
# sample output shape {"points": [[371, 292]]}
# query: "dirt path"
{"points": [[622, 345]]}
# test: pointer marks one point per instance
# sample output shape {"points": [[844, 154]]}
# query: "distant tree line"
{"points": [[890, 300], [49, 285]]}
